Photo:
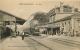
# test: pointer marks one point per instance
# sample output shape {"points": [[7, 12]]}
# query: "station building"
{"points": [[63, 20], [8, 20]]}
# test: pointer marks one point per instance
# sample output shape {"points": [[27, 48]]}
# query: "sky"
{"points": [[25, 8]]}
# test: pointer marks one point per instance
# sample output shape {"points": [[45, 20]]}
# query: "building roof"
{"points": [[18, 19], [66, 9], [68, 17], [63, 19]]}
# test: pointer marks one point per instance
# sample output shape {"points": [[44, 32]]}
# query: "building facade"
{"points": [[65, 21], [68, 26]]}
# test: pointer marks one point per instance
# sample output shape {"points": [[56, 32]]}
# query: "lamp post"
{"points": [[10, 30]]}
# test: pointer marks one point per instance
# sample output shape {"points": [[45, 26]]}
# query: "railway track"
{"points": [[35, 45], [67, 42]]}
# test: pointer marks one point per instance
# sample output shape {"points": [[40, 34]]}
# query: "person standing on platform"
{"points": [[18, 33], [23, 36]]}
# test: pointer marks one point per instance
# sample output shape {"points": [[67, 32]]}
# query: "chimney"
{"points": [[55, 9], [61, 7]]}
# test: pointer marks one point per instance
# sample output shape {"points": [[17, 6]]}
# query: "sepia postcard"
{"points": [[39, 25]]}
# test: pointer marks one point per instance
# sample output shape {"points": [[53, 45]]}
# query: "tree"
{"points": [[76, 9], [40, 17]]}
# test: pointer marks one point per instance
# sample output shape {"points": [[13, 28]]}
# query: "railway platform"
{"points": [[14, 44]]}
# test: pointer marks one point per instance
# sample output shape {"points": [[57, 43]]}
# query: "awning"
{"points": [[7, 17]]}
